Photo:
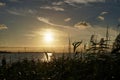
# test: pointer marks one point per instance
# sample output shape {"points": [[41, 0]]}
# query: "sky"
{"points": [[24, 23]]}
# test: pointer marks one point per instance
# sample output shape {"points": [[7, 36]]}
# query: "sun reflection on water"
{"points": [[47, 57]]}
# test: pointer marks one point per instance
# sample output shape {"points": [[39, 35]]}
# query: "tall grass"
{"points": [[91, 67]]}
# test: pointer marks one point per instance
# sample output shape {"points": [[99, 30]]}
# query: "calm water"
{"points": [[13, 57]]}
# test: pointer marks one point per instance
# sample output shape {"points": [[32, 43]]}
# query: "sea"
{"points": [[12, 57]]}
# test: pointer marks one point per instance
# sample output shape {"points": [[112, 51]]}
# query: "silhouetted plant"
{"points": [[116, 45]]}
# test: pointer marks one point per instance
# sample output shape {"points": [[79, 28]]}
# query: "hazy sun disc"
{"points": [[48, 37]]}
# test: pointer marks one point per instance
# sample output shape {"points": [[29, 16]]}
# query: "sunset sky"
{"points": [[29, 23]]}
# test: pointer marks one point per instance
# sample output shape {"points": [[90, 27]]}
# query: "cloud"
{"points": [[82, 25], [101, 18], [57, 3], [75, 2], [76, 27], [103, 13], [21, 12], [55, 8], [2, 27], [47, 21], [83, 1], [15, 12], [67, 19], [2, 4], [14, 0]]}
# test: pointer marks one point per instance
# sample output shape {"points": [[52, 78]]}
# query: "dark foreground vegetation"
{"points": [[91, 67]]}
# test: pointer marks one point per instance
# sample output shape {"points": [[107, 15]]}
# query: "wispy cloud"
{"points": [[75, 3], [47, 21], [103, 13], [67, 19], [82, 25], [2, 4], [2, 27], [21, 12], [55, 8], [15, 12], [101, 18], [57, 3], [83, 1]]}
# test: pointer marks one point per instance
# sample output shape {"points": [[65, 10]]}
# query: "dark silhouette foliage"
{"points": [[92, 67], [116, 45]]}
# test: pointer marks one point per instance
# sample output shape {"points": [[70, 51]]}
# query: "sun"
{"points": [[48, 37]]}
